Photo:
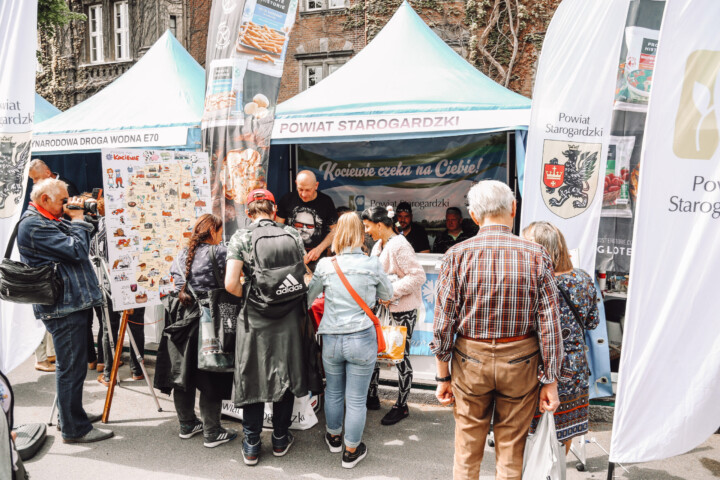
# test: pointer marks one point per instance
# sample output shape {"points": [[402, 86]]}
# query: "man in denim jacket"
{"points": [[45, 237]]}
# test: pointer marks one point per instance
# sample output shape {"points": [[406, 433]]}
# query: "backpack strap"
{"points": [[216, 268], [11, 241]]}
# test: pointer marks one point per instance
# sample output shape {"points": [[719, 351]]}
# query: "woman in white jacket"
{"points": [[407, 275]]}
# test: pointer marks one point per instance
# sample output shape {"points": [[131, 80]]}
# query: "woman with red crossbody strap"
{"points": [[349, 336]]}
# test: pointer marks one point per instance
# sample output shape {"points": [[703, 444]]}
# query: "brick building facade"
{"points": [[86, 56]]}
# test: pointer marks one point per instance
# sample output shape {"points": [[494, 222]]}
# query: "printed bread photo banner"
{"points": [[247, 44], [19, 333], [152, 198], [668, 389]]}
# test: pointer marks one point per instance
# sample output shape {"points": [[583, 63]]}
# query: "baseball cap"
{"points": [[404, 207], [259, 194]]}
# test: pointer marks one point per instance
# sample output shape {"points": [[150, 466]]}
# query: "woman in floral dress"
{"points": [[571, 417]]}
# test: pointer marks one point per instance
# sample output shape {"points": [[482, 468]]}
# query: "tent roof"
{"points": [[165, 88], [407, 69], [44, 109]]}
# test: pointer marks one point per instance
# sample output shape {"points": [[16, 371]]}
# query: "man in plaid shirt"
{"points": [[497, 319]]}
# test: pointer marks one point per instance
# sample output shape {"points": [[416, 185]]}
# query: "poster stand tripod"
{"points": [[104, 279]]}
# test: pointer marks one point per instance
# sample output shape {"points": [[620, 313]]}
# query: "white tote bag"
{"points": [[544, 457], [303, 416]]}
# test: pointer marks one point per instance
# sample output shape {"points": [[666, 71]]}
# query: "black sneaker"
{"points": [[222, 436], [395, 414], [188, 430], [334, 442], [373, 403], [282, 445], [251, 453], [349, 460]]}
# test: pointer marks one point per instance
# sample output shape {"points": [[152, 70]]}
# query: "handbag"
{"points": [[395, 337], [361, 303], [579, 320], [219, 311], [544, 458], [22, 283]]}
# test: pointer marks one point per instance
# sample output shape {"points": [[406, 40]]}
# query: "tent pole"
{"points": [[611, 470]]}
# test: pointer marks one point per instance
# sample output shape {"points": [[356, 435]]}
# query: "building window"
{"points": [[96, 36], [316, 71], [320, 5], [173, 25], [122, 44]]}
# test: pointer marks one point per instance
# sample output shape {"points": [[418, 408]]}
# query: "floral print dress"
{"points": [[571, 417]]}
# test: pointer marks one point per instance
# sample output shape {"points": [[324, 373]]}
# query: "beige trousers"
{"points": [[45, 349], [504, 374]]}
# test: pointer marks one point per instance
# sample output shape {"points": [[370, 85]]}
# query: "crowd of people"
{"points": [[509, 320]]}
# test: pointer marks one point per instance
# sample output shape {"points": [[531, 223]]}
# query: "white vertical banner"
{"points": [[570, 123], [20, 334], [668, 399]]}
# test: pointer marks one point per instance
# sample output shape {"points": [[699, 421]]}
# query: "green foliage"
{"points": [[54, 14]]}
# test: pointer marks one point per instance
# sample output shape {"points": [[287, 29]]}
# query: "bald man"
{"points": [[310, 212], [38, 170]]}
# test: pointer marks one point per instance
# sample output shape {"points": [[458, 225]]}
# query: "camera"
{"points": [[90, 205]]}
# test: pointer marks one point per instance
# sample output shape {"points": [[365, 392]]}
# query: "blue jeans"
{"points": [[349, 361], [70, 338]]}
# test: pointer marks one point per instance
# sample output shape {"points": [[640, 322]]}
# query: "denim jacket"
{"points": [[342, 314], [42, 241]]}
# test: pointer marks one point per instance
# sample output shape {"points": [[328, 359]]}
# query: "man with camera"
{"points": [[44, 237]]}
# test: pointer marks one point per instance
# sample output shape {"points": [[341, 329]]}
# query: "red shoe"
{"points": [[138, 377]]}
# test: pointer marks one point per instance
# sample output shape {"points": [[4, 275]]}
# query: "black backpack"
{"points": [[278, 272]]}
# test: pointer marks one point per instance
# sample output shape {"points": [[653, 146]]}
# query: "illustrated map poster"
{"points": [[152, 198]]}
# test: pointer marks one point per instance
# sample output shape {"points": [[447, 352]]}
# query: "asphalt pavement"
{"points": [[146, 444]]}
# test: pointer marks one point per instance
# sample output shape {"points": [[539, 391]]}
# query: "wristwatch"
{"points": [[443, 379]]}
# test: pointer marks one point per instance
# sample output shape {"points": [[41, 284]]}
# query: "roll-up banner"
{"points": [[668, 390], [247, 44], [19, 333]]}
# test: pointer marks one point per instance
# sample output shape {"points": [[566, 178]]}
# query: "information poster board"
{"points": [[152, 198]]}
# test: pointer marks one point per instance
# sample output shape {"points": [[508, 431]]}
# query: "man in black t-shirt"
{"points": [[453, 233], [311, 213], [38, 170], [414, 233]]}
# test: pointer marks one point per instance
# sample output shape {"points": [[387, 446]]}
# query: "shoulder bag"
{"points": [[361, 303], [219, 310], [21, 283]]}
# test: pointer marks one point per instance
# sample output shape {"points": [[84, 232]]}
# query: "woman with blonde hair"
{"points": [[578, 312], [349, 339]]}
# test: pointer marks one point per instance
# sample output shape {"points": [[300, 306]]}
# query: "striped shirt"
{"points": [[497, 285]]}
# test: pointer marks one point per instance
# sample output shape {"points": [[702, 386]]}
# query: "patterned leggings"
{"points": [[404, 368]]}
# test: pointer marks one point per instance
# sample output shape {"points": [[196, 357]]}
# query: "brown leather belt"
{"points": [[500, 340]]}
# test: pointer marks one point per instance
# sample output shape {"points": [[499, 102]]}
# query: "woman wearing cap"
{"points": [[349, 339], [268, 348], [407, 275]]}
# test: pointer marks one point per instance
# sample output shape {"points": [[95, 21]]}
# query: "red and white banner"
{"points": [[19, 333], [668, 392]]}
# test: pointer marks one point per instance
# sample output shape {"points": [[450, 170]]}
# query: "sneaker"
{"points": [[395, 414], [222, 436], [92, 365], [251, 453], [94, 435], [334, 442], [45, 366], [188, 430], [51, 359], [373, 403], [138, 377], [282, 445], [349, 460]]}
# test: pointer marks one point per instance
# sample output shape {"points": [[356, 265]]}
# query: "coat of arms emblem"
{"points": [[570, 176]]}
